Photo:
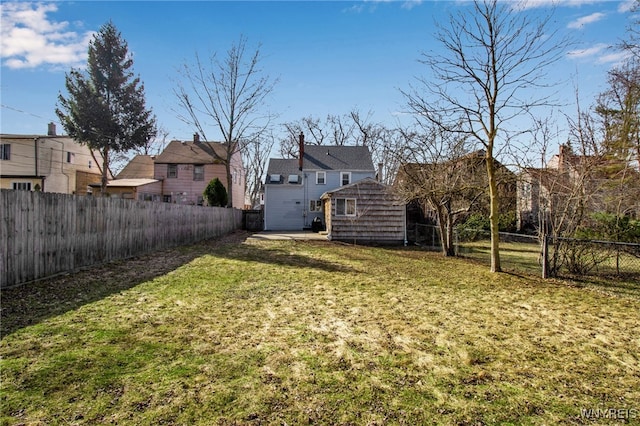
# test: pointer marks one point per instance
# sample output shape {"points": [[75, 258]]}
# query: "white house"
{"points": [[294, 187]]}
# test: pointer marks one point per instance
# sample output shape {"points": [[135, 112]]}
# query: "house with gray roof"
{"points": [[294, 187]]}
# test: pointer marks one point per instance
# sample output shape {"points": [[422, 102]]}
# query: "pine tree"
{"points": [[215, 193], [106, 107]]}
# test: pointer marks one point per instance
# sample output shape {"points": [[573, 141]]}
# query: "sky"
{"points": [[329, 57]]}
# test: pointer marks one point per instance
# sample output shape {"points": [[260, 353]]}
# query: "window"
{"points": [[166, 198], [321, 178], [172, 170], [200, 200], [345, 177], [198, 172], [22, 186], [5, 151], [70, 156], [294, 179], [315, 205], [345, 206]]}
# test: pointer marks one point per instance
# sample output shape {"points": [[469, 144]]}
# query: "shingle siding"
{"points": [[380, 214]]}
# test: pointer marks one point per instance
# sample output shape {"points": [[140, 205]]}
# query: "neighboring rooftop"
{"points": [[348, 158], [128, 183], [283, 168], [191, 152], [140, 167]]}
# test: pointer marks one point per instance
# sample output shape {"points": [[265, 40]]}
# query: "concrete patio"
{"points": [[288, 235]]}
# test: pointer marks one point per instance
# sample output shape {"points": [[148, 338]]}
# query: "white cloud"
{"points": [[614, 58], [410, 4], [626, 6], [534, 4], [29, 39], [585, 20], [588, 52], [600, 53]]}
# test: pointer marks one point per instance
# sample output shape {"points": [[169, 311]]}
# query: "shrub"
{"points": [[216, 194]]}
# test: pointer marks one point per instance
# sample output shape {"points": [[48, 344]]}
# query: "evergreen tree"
{"points": [[106, 107], [215, 193]]}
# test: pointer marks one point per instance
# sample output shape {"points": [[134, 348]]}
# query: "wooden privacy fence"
{"points": [[43, 234]]}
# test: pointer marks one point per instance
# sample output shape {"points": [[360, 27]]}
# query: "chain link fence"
{"points": [[559, 257]]}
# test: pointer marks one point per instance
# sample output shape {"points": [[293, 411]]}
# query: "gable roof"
{"points": [[347, 158], [140, 167], [368, 182], [190, 152]]}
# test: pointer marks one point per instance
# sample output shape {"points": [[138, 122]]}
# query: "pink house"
{"points": [[186, 168]]}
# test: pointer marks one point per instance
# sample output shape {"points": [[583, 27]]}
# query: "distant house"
{"points": [[186, 168], [293, 187], [569, 178], [133, 189], [365, 212], [49, 163], [135, 181], [140, 167], [465, 178]]}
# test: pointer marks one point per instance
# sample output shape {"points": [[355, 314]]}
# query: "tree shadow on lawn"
{"points": [[31, 303]]}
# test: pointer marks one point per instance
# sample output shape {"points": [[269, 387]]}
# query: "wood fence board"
{"points": [[43, 234]]}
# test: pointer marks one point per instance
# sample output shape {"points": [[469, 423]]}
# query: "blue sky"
{"points": [[329, 57]]}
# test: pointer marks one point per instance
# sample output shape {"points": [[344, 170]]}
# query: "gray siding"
{"points": [[285, 208]]}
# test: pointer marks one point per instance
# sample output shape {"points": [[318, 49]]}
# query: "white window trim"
{"points": [[346, 203], [324, 178], [315, 205], [15, 185], [342, 174]]}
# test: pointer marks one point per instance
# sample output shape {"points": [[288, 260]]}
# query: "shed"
{"points": [[365, 212], [133, 189]]}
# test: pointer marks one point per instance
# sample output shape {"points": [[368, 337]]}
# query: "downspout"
{"points": [[35, 147]]}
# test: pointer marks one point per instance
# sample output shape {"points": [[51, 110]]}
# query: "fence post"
{"points": [[545, 256]]}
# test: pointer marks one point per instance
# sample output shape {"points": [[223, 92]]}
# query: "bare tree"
{"points": [[439, 171], [228, 97], [619, 110], [348, 129], [632, 43], [256, 156], [492, 70]]}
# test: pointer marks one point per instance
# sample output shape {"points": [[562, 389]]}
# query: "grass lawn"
{"points": [[287, 332]]}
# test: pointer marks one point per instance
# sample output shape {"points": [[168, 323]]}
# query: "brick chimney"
{"points": [[196, 137], [380, 172], [51, 129], [301, 150]]}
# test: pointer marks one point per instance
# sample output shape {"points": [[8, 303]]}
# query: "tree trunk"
{"points": [[444, 222], [494, 214], [229, 184], [105, 171], [450, 248]]}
